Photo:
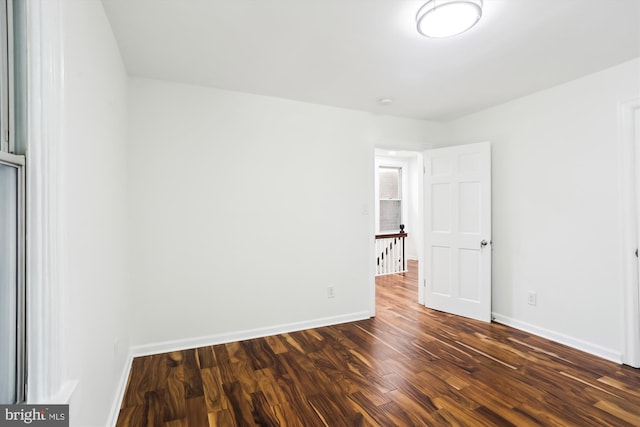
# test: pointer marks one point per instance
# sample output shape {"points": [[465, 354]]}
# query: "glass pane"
{"points": [[389, 183], [390, 215], [8, 282]]}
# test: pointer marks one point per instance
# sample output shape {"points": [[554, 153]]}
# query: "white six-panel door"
{"points": [[457, 211]]}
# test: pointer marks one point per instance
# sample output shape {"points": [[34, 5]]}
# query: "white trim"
{"points": [[63, 396], [45, 81], [22, 281], [419, 226], [587, 347], [196, 342], [630, 221], [5, 84], [11, 78], [12, 158], [366, 210], [120, 390]]}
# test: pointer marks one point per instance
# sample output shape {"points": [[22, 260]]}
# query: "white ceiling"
{"points": [[350, 53]]}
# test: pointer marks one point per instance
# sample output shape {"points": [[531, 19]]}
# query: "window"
{"points": [[12, 229], [12, 285], [390, 198]]}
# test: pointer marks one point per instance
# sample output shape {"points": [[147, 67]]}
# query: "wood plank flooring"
{"points": [[409, 366]]}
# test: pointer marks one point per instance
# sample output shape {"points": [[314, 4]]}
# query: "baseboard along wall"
{"points": [[587, 347], [195, 342]]}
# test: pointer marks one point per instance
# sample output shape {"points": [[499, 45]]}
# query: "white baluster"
{"points": [[388, 259], [396, 254]]}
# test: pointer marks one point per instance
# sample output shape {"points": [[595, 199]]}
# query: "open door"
{"points": [[457, 212]]}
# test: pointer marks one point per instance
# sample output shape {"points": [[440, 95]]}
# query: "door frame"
{"points": [[630, 211], [418, 150]]}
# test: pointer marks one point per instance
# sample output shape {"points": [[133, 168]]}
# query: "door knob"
{"points": [[483, 243]]}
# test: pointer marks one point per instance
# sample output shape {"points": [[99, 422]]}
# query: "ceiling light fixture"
{"points": [[446, 18]]}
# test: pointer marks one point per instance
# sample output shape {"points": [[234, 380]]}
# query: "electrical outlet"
{"points": [[331, 292], [532, 298]]}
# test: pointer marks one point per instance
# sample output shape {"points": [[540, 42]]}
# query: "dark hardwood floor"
{"points": [[409, 366]]}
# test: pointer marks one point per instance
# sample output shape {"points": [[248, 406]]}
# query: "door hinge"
{"points": [[636, 252]]}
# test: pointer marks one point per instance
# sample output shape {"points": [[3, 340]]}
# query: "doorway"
{"points": [[450, 197], [408, 165]]}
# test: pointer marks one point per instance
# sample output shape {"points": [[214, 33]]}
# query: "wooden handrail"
{"points": [[388, 236], [401, 233]]}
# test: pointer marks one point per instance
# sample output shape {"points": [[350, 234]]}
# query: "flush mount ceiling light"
{"points": [[446, 18]]}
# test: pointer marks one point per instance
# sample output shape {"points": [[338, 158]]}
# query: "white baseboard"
{"points": [[195, 342], [587, 347], [120, 389], [187, 343]]}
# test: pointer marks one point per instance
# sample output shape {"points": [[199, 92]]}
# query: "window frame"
{"points": [[7, 143], [385, 162], [399, 198], [19, 162], [8, 157]]}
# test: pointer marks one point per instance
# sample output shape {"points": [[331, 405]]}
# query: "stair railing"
{"points": [[390, 258]]}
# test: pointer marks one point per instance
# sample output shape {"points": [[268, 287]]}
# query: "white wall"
{"points": [[92, 200], [245, 208], [556, 207]]}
